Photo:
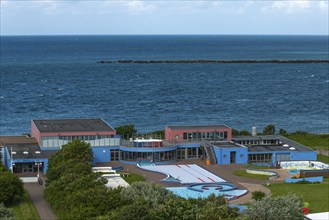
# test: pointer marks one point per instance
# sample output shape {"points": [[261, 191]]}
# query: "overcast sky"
{"points": [[55, 17]]}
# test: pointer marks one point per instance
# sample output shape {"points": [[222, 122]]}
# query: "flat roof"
{"points": [[191, 127], [256, 138], [261, 148], [72, 125], [17, 140], [224, 144], [33, 152]]}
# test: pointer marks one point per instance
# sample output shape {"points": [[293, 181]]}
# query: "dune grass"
{"points": [[315, 194], [25, 210], [314, 141]]}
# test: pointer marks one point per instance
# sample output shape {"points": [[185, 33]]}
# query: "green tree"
{"points": [[258, 195], [6, 213], [282, 132], [269, 130], [287, 207], [126, 130], [11, 188], [235, 132], [244, 133]]}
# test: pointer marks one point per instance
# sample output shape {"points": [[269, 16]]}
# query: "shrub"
{"points": [[6, 213], [258, 195], [11, 188]]}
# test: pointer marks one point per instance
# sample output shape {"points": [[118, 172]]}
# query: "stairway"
{"points": [[209, 152]]}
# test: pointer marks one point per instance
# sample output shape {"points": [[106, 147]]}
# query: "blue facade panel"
{"points": [[311, 155], [101, 154], [223, 155]]}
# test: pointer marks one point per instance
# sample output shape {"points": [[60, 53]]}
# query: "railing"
{"points": [[209, 152]]}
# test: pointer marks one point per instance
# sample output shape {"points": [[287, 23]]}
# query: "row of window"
{"points": [[205, 135], [180, 154], [84, 137], [260, 142], [259, 158], [57, 142]]}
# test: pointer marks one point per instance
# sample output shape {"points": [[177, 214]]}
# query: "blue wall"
{"points": [[309, 179], [223, 154], [101, 154], [303, 155]]}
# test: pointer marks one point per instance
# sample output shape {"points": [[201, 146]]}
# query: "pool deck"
{"points": [[223, 171]]}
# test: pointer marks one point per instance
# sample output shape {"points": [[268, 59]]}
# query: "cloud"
{"points": [[137, 6], [288, 6], [323, 5]]}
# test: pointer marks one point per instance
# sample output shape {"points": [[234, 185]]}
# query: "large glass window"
{"points": [[259, 158]]}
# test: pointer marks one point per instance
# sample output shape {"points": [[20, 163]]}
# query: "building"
{"points": [[213, 143], [22, 154]]}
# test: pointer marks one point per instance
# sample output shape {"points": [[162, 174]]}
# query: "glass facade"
{"points": [[199, 136], [259, 158], [94, 140], [154, 156]]}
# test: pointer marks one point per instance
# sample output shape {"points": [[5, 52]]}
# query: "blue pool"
{"points": [[188, 193], [293, 172]]}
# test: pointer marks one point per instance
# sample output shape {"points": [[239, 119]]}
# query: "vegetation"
{"points": [[126, 130], [286, 207], [258, 195], [323, 158], [269, 130], [240, 133], [243, 173], [132, 177], [11, 188], [25, 209], [314, 141], [315, 194], [6, 213]]}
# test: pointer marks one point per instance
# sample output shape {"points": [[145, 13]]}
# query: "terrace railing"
{"points": [[209, 152]]}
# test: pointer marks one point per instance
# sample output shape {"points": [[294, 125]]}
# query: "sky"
{"points": [[107, 17]]}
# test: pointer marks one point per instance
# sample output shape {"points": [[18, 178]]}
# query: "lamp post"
{"points": [[38, 164], [11, 158]]}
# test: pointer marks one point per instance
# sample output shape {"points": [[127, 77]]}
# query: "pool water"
{"points": [[293, 172], [187, 193]]}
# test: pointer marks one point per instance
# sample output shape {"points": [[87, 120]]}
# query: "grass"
{"points": [[315, 194], [132, 177], [323, 158], [314, 141], [258, 167], [25, 210], [325, 179], [243, 173]]}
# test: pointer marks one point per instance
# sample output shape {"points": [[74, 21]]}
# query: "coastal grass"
{"points": [[323, 158], [243, 173], [132, 177], [25, 210], [314, 141], [315, 194]]}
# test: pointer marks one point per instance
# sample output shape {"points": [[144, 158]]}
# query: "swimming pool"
{"points": [[293, 172], [187, 193]]}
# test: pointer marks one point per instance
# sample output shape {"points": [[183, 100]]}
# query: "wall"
{"points": [[309, 179], [223, 155], [295, 155], [171, 134], [101, 154]]}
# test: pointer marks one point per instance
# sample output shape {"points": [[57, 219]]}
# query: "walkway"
{"points": [[36, 194]]}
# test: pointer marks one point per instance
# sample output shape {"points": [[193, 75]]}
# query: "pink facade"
{"points": [[177, 135]]}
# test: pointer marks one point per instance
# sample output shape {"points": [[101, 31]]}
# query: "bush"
{"points": [[11, 188], [6, 213], [273, 208], [258, 195]]}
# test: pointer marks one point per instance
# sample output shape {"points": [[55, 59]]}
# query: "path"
{"points": [[42, 206]]}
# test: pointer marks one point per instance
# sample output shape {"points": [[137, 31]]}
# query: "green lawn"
{"points": [[243, 173], [323, 158], [315, 194], [257, 167], [132, 177], [313, 141], [25, 209]]}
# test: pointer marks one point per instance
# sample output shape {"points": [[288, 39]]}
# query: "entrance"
{"points": [[232, 157], [27, 167]]}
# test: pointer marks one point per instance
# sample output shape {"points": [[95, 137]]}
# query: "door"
{"points": [[232, 157]]}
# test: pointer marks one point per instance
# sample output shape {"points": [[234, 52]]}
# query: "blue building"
{"points": [[212, 143]]}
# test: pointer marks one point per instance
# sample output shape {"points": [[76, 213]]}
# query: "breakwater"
{"points": [[211, 61]]}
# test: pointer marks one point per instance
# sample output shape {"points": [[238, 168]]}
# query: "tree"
{"points": [[258, 195], [126, 130], [11, 188], [269, 130], [283, 132], [287, 207], [6, 213], [244, 133]]}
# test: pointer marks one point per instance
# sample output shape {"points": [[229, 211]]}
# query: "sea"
{"points": [[58, 77]]}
